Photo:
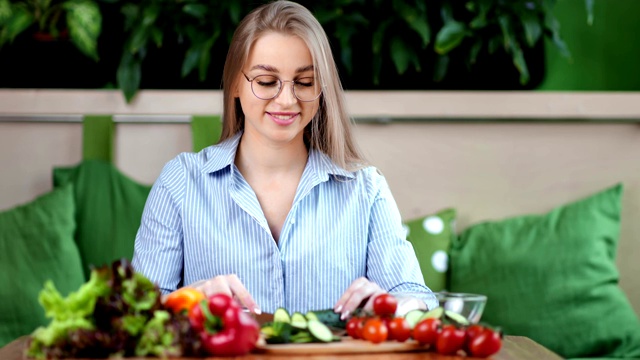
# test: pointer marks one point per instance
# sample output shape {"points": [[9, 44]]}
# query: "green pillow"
{"points": [[36, 244], [109, 209], [431, 238], [553, 277]]}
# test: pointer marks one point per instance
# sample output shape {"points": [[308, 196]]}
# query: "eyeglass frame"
{"points": [[293, 91]]}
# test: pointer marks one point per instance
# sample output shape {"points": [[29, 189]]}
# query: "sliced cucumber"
{"points": [[312, 316], [281, 315], [330, 318], [298, 320], [413, 317], [456, 317], [302, 337], [433, 313], [268, 331], [320, 331], [281, 332]]}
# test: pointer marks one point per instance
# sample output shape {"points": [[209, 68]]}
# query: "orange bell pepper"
{"points": [[183, 299]]}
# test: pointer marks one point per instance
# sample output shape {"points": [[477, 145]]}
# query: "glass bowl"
{"points": [[464, 308], [462, 305]]}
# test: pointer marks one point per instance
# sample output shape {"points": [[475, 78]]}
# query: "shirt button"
{"points": [[293, 221]]}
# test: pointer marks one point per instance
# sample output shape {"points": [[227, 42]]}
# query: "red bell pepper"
{"points": [[225, 330]]}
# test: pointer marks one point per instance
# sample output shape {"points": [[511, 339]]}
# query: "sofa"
{"points": [[539, 217]]}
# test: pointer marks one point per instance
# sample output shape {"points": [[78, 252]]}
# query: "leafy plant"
{"points": [[398, 29], [478, 26], [195, 25], [81, 19], [402, 30], [401, 34]]}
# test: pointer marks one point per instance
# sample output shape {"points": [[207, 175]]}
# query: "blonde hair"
{"points": [[330, 129]]}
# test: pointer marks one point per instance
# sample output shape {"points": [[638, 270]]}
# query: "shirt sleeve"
{"points": [[158, 252], [391, 260]]}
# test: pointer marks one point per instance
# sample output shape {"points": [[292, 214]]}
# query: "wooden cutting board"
{"points": [[346, 346]]}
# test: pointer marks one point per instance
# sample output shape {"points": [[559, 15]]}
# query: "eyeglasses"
{"points": [[267, 87]]}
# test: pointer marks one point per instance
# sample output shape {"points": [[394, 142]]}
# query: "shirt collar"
{"points": [[222, 155]]}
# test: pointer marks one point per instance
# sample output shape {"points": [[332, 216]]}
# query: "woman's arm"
{"points": [[158, 252]]}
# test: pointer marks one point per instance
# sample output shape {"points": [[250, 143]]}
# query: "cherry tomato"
{"points": [[426, 331], [374, 331], [485, 344], [354, 327], [385, 305], [472, 331], [399, 329], [450, 340], [386, 320]]}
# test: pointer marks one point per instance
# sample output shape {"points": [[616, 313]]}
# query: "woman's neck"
{"points": [[254, 155]]}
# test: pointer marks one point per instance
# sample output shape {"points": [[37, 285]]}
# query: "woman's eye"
{"points": [[267, 83], [305, 82]]}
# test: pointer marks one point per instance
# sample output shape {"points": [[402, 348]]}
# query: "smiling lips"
{"points": [[283, 118]]}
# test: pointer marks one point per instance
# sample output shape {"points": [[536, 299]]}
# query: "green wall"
{"points": [[605, 56]]}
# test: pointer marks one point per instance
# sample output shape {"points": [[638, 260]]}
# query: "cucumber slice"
{"points": [[312, 316], [281, 315], [298, 320], [268, 331], [456, 317], [320, 331], [330, 318], [302, 337], [413, 317], [281, 333], [433, 313]]}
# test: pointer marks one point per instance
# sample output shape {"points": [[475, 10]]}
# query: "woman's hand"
{"points": [[229, 285], [359, 290]]}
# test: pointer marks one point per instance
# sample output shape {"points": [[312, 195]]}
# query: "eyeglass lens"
{"points": [[268, 86]]}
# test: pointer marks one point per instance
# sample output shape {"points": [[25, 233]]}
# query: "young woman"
{"points": [[283, 211]]}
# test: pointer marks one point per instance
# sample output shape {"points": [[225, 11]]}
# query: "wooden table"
{"points": [[514, 347]]}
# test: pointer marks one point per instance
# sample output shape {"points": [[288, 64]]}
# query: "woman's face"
{"points": [[283, 118]]}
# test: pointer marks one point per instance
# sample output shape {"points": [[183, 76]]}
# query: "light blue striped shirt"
{"points": [[202, 219]]}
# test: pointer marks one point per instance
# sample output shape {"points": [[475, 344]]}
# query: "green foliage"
{"points": [[397, 30], [196, 25], [83, 21], [379, 36], [486, 26]]}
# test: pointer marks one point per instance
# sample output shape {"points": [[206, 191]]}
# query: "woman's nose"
{"points": [[286, 96]]}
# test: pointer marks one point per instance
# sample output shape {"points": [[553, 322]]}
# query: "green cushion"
{"points": [[205, 131], [36, 244], [109, 209], [431, 238], [553, 277]]}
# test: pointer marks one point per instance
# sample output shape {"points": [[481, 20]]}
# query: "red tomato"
{"points": [[486, 343], [472, 331], [354, 327], [386, 320], [450, 340], [385, 305], [426, 331], [375, 331], [399, 329]]}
